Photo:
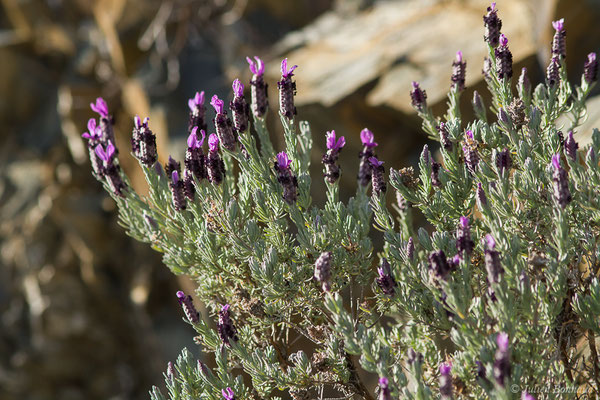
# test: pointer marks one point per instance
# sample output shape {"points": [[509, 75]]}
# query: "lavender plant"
{"points": [[499, 298]]}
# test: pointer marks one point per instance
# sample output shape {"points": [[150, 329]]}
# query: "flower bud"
{"points": [[435, 171], [365, 168], [445, 381], [215, 167], [177, 191], [385, 393], [464, 244], [444, 136], [553, 73], [286, 178], [377, 179], [503, 161], [478, 105], [571, 146], [562, 194], [559, 47], [524, 85], [323, 270], [502, 360], [438, 265], [503, 59], [418, 97]]}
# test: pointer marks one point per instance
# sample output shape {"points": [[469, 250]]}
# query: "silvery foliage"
{"points": [[245, 246]]}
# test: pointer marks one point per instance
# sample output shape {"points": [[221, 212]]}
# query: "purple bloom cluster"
{"points": [[332, 170], [364, 169], [185, 301], [225, 326], [223, 124], [239, 108], [493, 24], [197, 112], [562, 194], [503, 161], [502, 360], [386, 280], [571, 146], [143, 142], [385, 393], [109, 169], [377, 179], [444, 136], [286, 178], [195, 160], [418, 97], [464, 243], [503, 59], [470, 152], [215, 167], [559, 48], [445, 381], [260, 100], [438, 266], [177, 191], [287, 90], [590, 69], [459, 69]]}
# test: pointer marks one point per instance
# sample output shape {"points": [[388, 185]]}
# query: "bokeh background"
{"points": [[85, 311]]}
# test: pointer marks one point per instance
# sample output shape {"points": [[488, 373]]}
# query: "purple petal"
{"points": [[591, 57], [556, 161], [225, 308], [192, 140], [526, 396], [175, 176], [101, 153], [375, 162], [257, 68], [503, 40], [137, 122], [558, 25], [238, 88], [213, 142], [330, 139], [445, 368], [464, 222], [285, 72], [340, 143], [91, 125], [252, 66], [366, 136], [110, 150], [201, 141], [502, 341], [218, 104], [493, 7], [383, 382], [381, 272], [283, 160], [86, 135], [491, 243], [100, 107], [181, 295], [469, 134], [459, 56]]}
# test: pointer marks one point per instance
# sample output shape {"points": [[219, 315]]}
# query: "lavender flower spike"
{"points": [[215, 167], [559, 47], [225, 326], [418, 97], [553, 73], [481, 197], [287, 90], [197, 112], [323, 270], [239, 107], [228, 394], [503, 161], [502, 360], [195, 160], [493, 24], [590, 69], [143, 142], [385, 393], [259, 87], [464, 244], [364, 169], [109, 168], [562, 194], [223, 124], [459, 68], [470, 152], [177, 191], [332, 170], [504, 59], [571, 146], [438, 265], [377, 180], [445, 381], [492, 260], [100, 107], [386, 281], [444, 136], [185, 301], [286, 178]]}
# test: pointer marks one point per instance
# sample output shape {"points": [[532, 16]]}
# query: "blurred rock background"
{"points": [[85, 311]]}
